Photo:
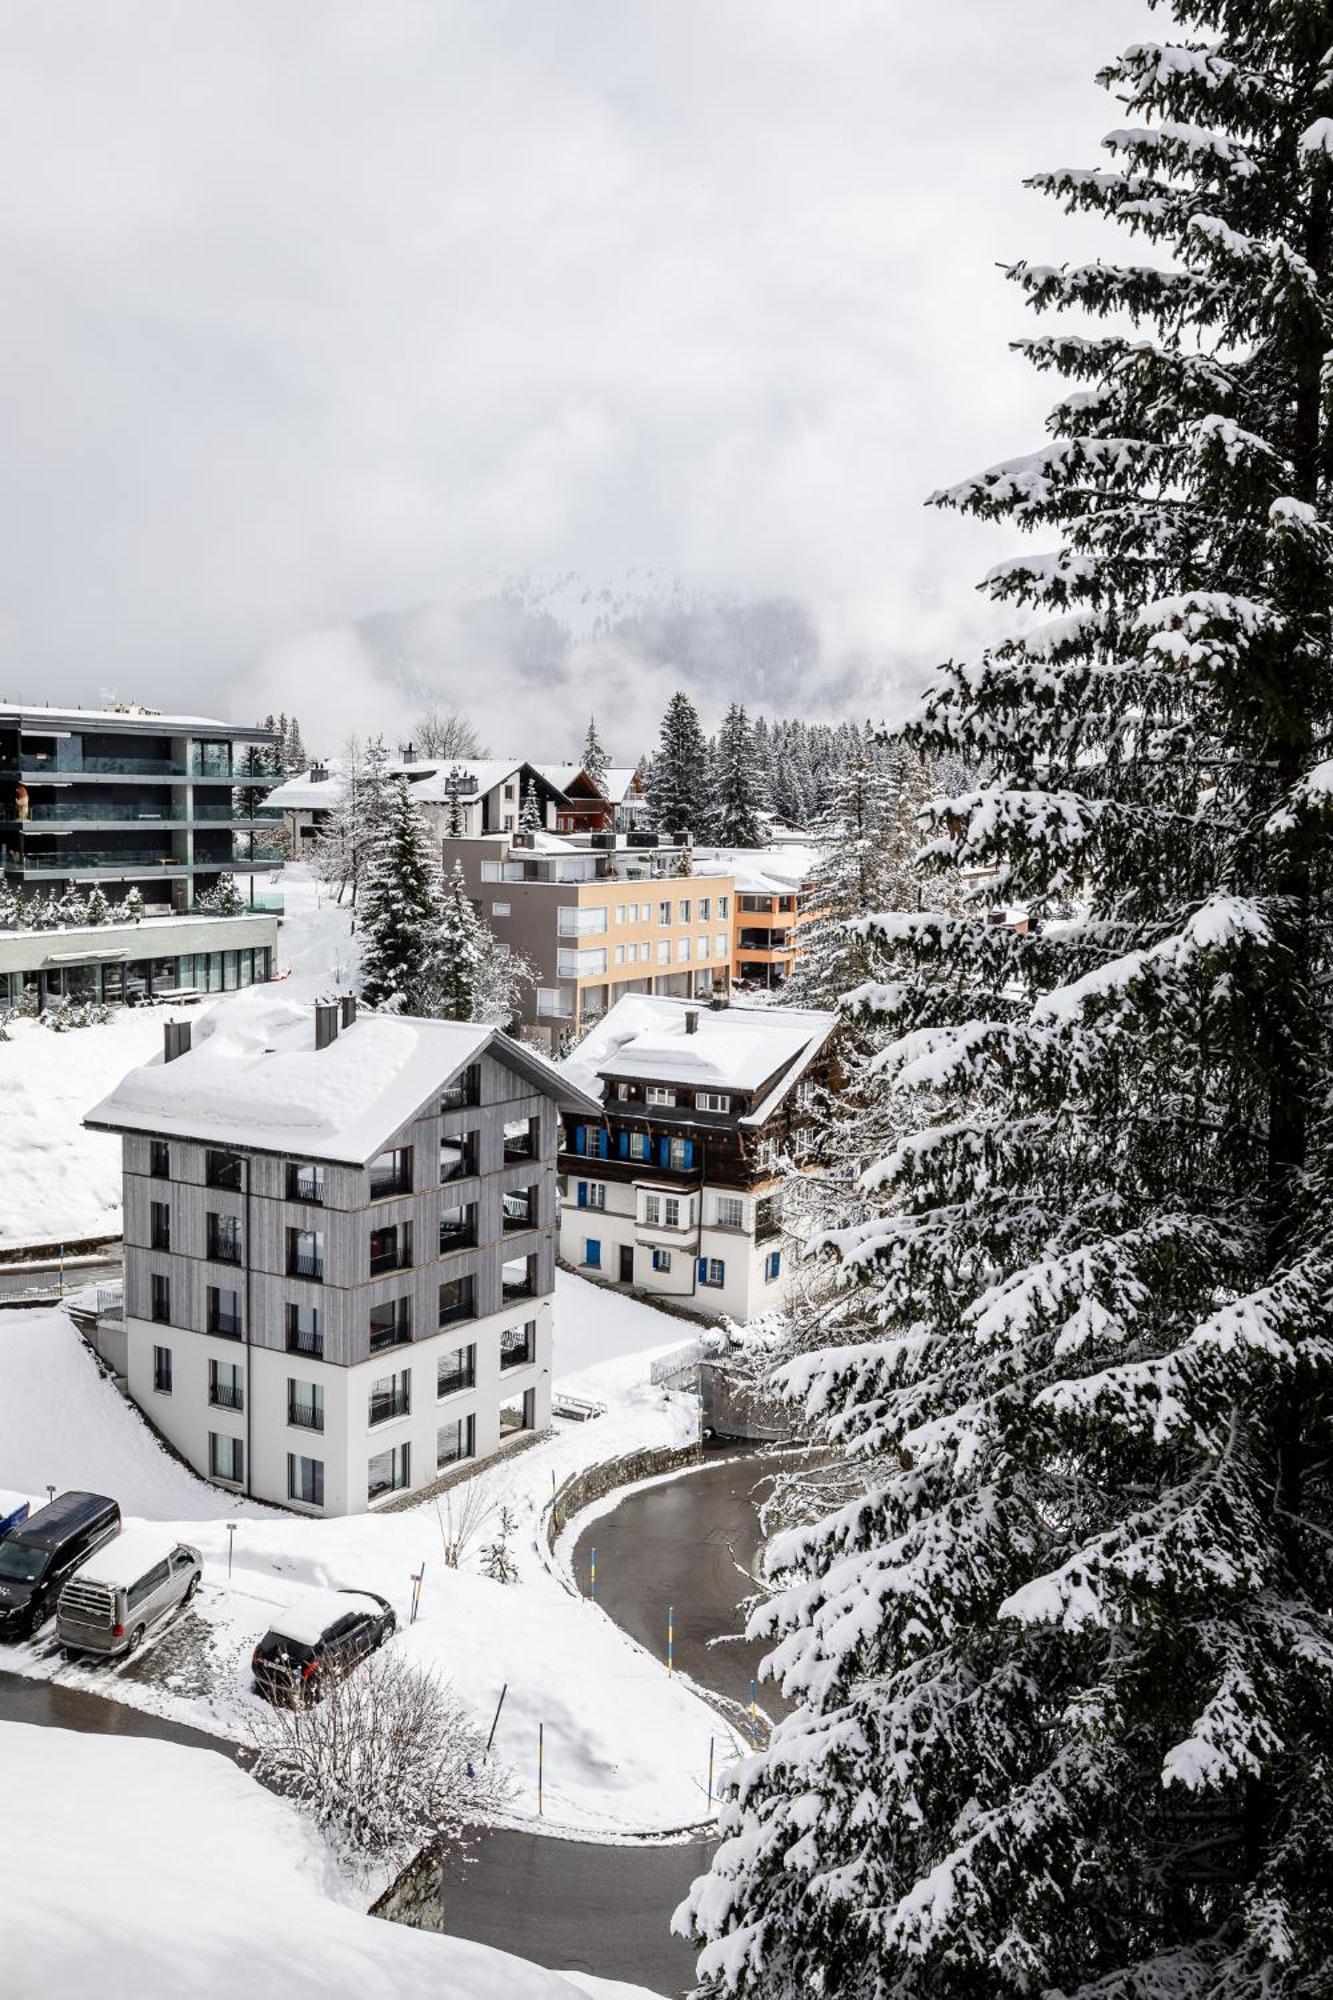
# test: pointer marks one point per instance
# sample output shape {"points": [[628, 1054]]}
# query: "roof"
{"points": [[127, 1555], [51, 1523], [254, 1079], [759, 871], [429, 779], [645, 1038], [308, 1617], [617, 781], [35, 716]]}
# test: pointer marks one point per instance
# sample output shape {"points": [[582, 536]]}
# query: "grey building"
{"points": [[339, 1246]]}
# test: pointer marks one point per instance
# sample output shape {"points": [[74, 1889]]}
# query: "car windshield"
{"points": [[22, 1565]]}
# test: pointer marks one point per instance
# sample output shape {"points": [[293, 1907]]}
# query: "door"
{"points": [[627, 1263]]}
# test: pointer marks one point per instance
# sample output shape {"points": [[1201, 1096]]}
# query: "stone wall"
{"points": [[582, 1488]]}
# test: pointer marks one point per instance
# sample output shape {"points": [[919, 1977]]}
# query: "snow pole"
{"points": [[710, 1770], [231, 1544], [592, 1587], [671, 1638], [541, 1767], [418, 1578], [495, 1720]]}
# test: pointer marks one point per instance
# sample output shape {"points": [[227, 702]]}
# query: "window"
{"points": [[519, 1414], [456, 1370], [680, 1154], [730, 1211], [592, 1253], [701, 947], [390, 1248], [223, 1311], [772, 1266], [624, 1091], [712, 1271], [162, 1370], [664, 913], [518, 1345], [518, 1278], [711, 1100], [652, 1210], [455, 1441], [500, 909], [159, 1159], [305, 1331], [458, 1156], [591, 1194], [670, 1212], [661, 1260], [620, 913], [159, 1225], [226, 1458], [390, 1324], [305, 1253], [664, 951], [458, 1300], [222, 1170], [658, 1094], [458, 1227], [305, 1480], [142, 1589], [305, 1405], [620, 954], [305, 1183], [390, 1396], [683, 912], [722, 903], [224, 1238], [640, 1146], [520, 1208], [705, 909], [391, 1174], [389, 1471], [464, 1090], [225, 1386], [161, 1298], [682, 950], [721, 942], [591, 1141], [522, 1139]]}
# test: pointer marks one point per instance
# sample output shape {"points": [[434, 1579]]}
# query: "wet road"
{"points": [[52, 1706]]}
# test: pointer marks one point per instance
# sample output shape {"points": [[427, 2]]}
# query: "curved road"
{"points": [[574, 1906]]}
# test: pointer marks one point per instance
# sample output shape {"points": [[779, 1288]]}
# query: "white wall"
{"points": [[745, 1291]]}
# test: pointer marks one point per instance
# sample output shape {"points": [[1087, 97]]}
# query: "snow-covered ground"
{"points": [[147, 1869], [626, 1747]]}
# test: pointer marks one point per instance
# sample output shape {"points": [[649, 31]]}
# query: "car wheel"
{"points": [[193, 1586], [387, 1629], [136, 1639]]}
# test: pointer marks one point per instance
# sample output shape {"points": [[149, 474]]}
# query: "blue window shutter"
{"points": [[664, 1152], [583, 1194], [689, 1152], [580, 1138], [593, 1251], [624, 1145], [703, 1270], [601, 1142]]}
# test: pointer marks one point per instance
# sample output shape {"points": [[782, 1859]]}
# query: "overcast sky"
{"points": [[316, 311]]}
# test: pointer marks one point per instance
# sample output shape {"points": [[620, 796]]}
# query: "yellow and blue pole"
{"points": [[671, 1638], [592, 1589], [541, 1766]]}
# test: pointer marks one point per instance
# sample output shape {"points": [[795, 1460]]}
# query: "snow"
{"points": [[308, 1617], [35, 715], [129, 1555], [732, 1048], [1317, 138], [626, 1746], [147, 1868]]}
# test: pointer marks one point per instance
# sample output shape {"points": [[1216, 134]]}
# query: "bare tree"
{"points": [[464, 1512], [446, 732], [387, 1759]]}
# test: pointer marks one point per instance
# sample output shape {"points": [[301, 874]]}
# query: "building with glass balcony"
{"points": [[165, 804]]}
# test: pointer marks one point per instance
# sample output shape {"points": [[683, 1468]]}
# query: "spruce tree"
{"points": [[294, 756], [455, 817], [678, 799], [456, 952], [867, 840], [738, 798], [399, 908], [531, 819], [594, 756], [1064, 1668]]}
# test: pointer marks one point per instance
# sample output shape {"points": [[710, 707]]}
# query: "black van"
{"points": [[37, 1556]]}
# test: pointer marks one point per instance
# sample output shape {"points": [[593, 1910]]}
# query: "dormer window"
{"points": [[711, 1100], [659, 1093]]}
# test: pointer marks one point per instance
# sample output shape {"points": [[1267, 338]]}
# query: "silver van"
{"points": [[123, 1590]]}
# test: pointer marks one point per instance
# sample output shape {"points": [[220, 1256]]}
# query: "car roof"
{"points": [[130, 1554], [50, 1524], [308, 1617]]}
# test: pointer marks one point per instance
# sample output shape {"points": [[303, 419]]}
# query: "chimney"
{"points": [[691, 1020], [347, 1010], [326, 1023], [175, 1040], [318, 773]]}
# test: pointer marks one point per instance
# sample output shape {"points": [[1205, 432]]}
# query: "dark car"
{"points": [[38, 1555], [324, 1632]]}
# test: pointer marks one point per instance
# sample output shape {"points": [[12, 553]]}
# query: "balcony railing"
{"points": [[459, 1236], [388, 1181], [397, 1259], [388, 1404], [226, 1325], [305, 1343], [450, 1382], [305, 1414], [305, 1264], [519, 1212], [517, 1357], [226, 1396], [398, 1335]]}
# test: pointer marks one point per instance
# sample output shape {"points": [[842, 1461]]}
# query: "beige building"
{"points": [[598, 919]]}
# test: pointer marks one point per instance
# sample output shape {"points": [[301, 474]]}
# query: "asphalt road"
{"points": [[52, 1706]]}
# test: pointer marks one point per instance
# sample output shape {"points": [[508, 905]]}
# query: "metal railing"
{"points": [[225, 1396], [397, 1259], [226, 1325], [388, 1404], [305, 1264], [460, 1378], [303, 1413], [306, 1343]]}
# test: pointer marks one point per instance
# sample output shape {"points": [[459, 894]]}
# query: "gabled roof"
{"points": [[743, 1050], [253, 1078], [618, 780]]}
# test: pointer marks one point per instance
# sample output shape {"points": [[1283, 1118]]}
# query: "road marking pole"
{"points": [[418, 1578], [710, 1770], [231, 1544], [496, 1718], [671, 1638], [593, 1589], [541, 1767]]}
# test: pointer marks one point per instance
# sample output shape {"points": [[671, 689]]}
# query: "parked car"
{"points": [[38, 1555], [323, 1632], [133, 1583]]}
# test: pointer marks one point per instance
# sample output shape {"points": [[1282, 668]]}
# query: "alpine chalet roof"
{"points": [[646, 1038]]}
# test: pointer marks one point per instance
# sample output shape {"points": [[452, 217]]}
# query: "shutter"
{"points": [[703, 1270], [580, 1138], [583, 1194], [689, 1152], [624, 1145], [664, 1152], [601, 1142]]}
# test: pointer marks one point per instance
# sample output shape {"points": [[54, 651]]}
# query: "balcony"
{"points": [[518, 1279], [390, 1256], [521, 1141], [520, 1208], [305, 1413], [226, 1325], [226, 1395], [397, 1335], [305, 1264], [458, 1231], [750, 940], [520, 1353], [301, 1342]]}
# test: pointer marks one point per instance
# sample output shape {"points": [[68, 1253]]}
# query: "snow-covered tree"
{"points": [[738, 799], [293, 749], [71, 906], [399, 909], [594, 756], [531, 819], [455, 815], [223, 900], [11, 908], [472, 976], [1064, 1667], [356, 821], [678, 797], [97, 910]]}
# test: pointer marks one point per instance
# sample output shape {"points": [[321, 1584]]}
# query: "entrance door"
{"points": [[627, 1263]]}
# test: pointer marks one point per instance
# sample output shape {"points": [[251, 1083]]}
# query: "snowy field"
{"points": [[209, 1886], [626, 1747]]}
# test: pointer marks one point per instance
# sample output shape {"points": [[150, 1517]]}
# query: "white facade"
{"points": [[275, 1388], [697, 1247]]}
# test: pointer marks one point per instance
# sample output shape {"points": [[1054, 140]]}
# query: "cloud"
{"points": [[320, 310]]}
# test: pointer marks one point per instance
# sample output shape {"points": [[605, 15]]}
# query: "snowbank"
{"points": [[209, 1885]]}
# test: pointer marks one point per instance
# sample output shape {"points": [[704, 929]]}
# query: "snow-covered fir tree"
{"points": [[1064, 1668], [472, 975], [293, 749], [531, 819], [97, 910], [738, 799], [678, 798], [399, 909], [594, 756]]}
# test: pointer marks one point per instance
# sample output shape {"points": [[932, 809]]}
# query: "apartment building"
{"points": [[599, 919], [769, 886], [677, 1189], [339, 1246], [122, 964], [128, 800]]}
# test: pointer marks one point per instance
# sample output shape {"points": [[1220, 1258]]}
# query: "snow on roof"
{"points": [[485, 772], [308, 1617], [254, 1078], [616, 783], [36, 715], [130, 1554], [759, 871], [645, 1037]]}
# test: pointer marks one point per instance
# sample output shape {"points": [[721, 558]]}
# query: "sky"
{"points": [[529, 356]]}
